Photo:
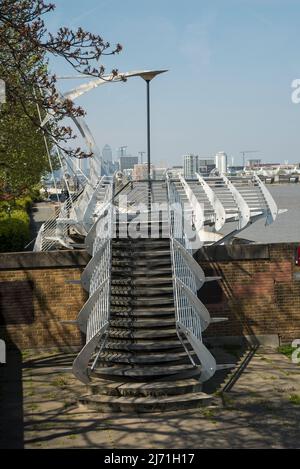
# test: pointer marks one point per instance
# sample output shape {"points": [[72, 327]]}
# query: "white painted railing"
{"points": [[93, 319], [192, 317], [54, 233]]}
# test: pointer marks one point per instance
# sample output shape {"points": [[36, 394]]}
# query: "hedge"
{"points": [[15, 226]]}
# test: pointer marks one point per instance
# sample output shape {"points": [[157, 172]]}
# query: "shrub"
{"points": [[23, 203], [14, 231], [35, 194]]}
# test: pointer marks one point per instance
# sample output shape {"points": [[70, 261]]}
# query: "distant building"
{"points": [[140, 172], [206, 165], [107, 153], [128, 162], [234, 170], [110, 167], [190, 165], [159, 173], [221, 162], [175, 171], [251, 163], [128, 173]]}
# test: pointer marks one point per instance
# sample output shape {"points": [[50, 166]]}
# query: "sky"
{"points": [[231, 64]]}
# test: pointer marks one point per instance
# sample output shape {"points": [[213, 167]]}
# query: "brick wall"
{"points": [[34, 298], [259, 291]]}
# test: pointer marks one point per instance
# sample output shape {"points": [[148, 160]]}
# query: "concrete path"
{"points": [[262, 410], [40, 212]]}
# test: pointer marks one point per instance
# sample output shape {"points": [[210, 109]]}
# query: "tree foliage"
{"points": [[25, 46], [23, 157]]}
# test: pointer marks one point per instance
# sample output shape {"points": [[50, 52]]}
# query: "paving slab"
{"points": [[39, 409]]}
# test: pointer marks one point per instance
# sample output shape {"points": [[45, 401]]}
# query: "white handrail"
{"points": [[192, 317], [94, 316]]}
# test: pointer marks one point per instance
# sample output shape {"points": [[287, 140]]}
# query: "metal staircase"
{"points": [[149, 357], [143, 321]]}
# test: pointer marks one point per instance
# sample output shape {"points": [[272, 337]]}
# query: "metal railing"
{"points": [[76, 213], [53, 233], [93, 318], [192, 317]]}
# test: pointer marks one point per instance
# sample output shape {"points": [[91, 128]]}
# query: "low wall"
{"points": [[34, 298], [259, 293]]}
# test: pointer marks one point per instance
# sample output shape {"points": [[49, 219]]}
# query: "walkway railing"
{"points": [[53, 233], [192, 317], [93, 319]]}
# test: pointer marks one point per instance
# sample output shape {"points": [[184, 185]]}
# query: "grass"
{"points": [[208, 413], [60, 382], [286, 350], [26, 354], [295, 399], [228, 402], [33, 407]]}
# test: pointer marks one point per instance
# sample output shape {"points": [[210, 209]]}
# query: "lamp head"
{"points": [[148, 75]]}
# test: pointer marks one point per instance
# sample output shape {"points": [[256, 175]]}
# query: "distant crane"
{"points": [[141, 153], [244, 152]]}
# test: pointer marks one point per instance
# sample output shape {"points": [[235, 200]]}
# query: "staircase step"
{"points": [[145, 404], [143, 345], [140, 310], [142, 323], [141, 271], [142, 334], [151, 359], [133, 254], [155, 388], [143, 281], [128, 301], [136, 291], [148, 263], [147, 373], [137, 244]]}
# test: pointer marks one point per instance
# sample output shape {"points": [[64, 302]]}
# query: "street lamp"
{"points": [[148, 75]]}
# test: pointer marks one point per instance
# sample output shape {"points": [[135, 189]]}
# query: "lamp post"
{"points": [[148, 76]]}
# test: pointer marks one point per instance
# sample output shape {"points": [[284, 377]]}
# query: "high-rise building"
{"points": [[221, 162], [107, 153], [190, 165], [128, 162]]}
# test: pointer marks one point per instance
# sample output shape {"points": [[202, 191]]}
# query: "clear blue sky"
{"points": [[231, 66]]}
